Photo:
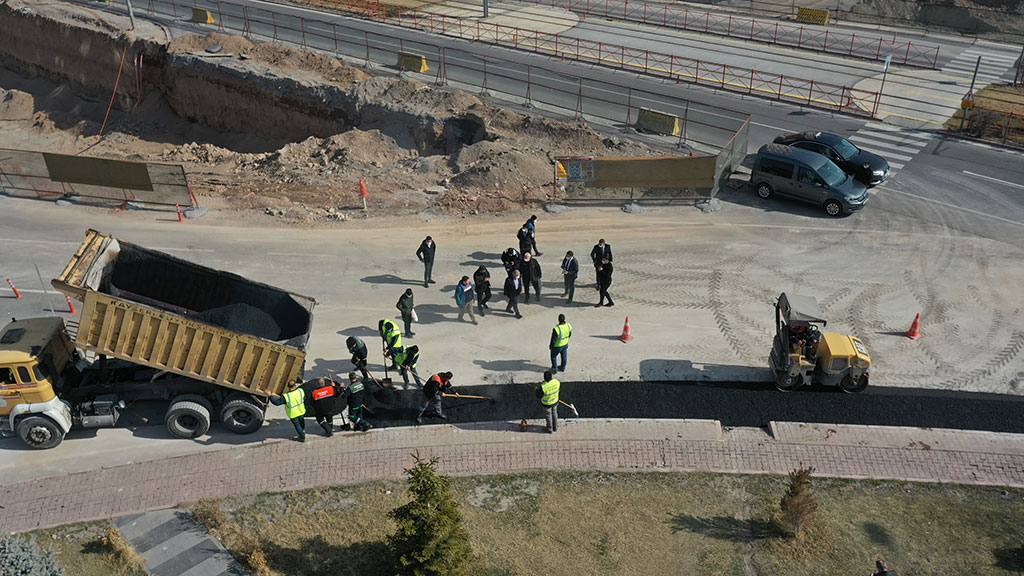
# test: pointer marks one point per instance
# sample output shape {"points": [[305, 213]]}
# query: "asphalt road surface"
{"points": [[733, 404]]}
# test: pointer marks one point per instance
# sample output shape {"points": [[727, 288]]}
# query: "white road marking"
{"points": [[997, 180], [961, 208]]}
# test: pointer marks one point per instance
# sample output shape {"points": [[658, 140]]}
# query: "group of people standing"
{"points": [[328, 398]]}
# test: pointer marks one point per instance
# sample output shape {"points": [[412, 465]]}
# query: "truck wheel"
{"points": [[787, 382], [241, 414], [187, 419], [40, 432], [851, 386]]}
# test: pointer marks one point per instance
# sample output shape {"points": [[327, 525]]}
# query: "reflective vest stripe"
{"points": [[321, 393], [549, 390], [295, 403], [563, 331]]}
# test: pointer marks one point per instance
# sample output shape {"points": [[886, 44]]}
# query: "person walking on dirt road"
{"points": [[570, 270], [294, 401], [482, 280], [559, 344], [548, 394], [530, 270], [405, 305], [357, 348], [464, 298], [513, 288], [531, 225], [525, 242], [436, 386], [426, 255], [510, 260], [604, 280], [600, 254]]}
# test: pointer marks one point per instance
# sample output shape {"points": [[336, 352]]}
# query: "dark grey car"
{"points": [[865, 166], [808, 177]]}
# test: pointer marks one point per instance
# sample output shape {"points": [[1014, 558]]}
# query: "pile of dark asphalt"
{"points": [[733, 404]]}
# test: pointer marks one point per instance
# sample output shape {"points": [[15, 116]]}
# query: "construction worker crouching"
{"points": [[355, 403], [357, 348], [548, 394], [294, 401], [405, 359], [436, 385]]}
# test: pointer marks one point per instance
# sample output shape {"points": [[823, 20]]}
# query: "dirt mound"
{"points": [[16, 105], [230, 44], [413, 97], [501, 167]]}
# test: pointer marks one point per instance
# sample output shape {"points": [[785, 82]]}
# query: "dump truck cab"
{"points": [[34, 354], [803, 354]]}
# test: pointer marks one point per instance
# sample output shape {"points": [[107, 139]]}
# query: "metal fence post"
{"points": [[629, 108]]}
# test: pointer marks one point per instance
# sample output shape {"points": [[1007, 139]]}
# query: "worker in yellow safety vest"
{"points": [[548, 394], [390, 333], [559, 344], [294, 401]]}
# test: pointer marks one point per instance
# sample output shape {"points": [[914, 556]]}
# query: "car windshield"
{"points": [[832, 174], [845, 149]]}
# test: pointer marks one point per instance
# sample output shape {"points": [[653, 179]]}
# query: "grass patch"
{"points": [[989, 119], [625, 524], [83, 550]]}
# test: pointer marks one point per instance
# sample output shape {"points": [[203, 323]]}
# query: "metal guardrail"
{"points": [[701, 72], [574, 95], [867, 46]]}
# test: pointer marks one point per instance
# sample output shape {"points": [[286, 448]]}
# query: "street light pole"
{"points": [[131, 13], [974, 78], [485, 9]]}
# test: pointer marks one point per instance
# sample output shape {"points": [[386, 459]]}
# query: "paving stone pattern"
{"points": [[465, 450]]}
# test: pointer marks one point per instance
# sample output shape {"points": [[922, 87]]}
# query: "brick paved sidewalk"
{"points": [[644, 445]]}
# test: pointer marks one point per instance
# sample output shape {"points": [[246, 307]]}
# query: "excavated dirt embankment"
{"points": [[279, 129]]}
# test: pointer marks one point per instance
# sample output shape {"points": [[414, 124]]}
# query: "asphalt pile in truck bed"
{"points": [[211, 296]]}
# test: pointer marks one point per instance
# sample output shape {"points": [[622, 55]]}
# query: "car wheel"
{"points": [[851, 386], [187, 419], [241, 414], [40, 432], [764, 190], [833, 208], [787, 382]]}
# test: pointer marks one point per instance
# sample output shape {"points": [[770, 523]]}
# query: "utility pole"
{"points": [[1019, 76], [881, 89], [970, 93], [486, 8]]}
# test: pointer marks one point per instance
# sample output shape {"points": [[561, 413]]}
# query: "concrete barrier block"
{"points": [[657, 122], [412, 62], [200, 16]]}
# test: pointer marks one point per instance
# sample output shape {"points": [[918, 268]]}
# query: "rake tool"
{"points": [[447, 395]]}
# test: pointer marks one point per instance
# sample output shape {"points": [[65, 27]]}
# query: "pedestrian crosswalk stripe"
{"points": [[876, 126], [895, 165], [897, 145], [894, 137], [886, 150]]}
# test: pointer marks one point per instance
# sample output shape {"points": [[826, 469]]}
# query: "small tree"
{"points": [[799, 504], [430, 539]]}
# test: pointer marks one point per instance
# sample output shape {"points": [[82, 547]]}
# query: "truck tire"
{"points": [[187, 419], [787, 382], [241, 413], [40, 432], [851, 386]]}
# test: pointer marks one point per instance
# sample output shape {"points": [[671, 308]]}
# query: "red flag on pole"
{"points": [[362, 189]]}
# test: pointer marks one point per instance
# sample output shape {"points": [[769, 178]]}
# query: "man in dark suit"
{"points": [[570, 269], [426, 255], [604, 280], [529, 267], [601, 253], [513, 288], [525, 242]]}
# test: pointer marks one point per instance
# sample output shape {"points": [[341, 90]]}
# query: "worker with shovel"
{"points": [[436, 386], [355, 403], [405, 358], [548, 394], [390, 333], [357, 348]]}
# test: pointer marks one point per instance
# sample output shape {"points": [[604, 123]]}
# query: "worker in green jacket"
{"points": [[548, 394], [405, 305], [294, 401]]}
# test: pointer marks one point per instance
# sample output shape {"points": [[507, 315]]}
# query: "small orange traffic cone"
{"points": [[71, 306], [914, 332], [626, 336]]}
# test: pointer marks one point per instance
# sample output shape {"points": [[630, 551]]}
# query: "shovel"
{"points": [[572, 407]]}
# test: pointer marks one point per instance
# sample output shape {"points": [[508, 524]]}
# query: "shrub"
{"points": [[21, 557], [430, 538], [799, 504], [124, 551], [209, 514], [252, 555]]}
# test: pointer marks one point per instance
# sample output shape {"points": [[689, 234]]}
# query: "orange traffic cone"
{"points": [[71, 306], [626, 336], [914, 332]]}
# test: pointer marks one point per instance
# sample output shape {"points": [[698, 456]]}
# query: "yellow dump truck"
{"points": [[152, 327]]}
